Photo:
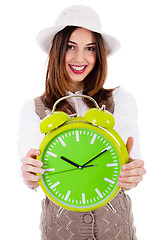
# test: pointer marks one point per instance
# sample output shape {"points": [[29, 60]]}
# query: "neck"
{"points": [[74, 87]]}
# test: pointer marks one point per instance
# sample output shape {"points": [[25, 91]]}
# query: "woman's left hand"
{"points": [[132, 173]]}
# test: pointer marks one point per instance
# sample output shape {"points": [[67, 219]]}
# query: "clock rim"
{"points": [[112, 136]]}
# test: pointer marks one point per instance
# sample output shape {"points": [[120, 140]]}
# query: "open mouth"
{"points": [[78, 69]]}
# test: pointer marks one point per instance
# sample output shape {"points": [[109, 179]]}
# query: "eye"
{"points": [[70, 47], [92, 49]]}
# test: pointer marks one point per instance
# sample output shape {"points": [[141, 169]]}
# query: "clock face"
{"points": [[81, 169]]}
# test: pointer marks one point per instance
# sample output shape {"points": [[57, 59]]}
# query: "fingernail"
{"points": [[40, 164], [38, 152], [124, 167], [119, 184], [38, 178], [122, 174], [41, 171], [120, 179]]}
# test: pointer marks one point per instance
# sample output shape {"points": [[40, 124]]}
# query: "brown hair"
{"points": [[57, 79]]}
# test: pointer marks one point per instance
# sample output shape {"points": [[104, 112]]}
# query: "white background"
{"points": [[22, 75]]}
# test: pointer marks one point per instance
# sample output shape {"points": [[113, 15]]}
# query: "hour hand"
{"points": [[72, 163]]}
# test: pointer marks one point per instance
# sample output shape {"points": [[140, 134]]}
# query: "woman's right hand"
{"points": [[31, 166]]}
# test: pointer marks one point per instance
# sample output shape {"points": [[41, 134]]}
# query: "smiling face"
{"points": [[80, 57]]}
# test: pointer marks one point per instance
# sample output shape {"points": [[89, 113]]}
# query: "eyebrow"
{"points": [[86, 44]]}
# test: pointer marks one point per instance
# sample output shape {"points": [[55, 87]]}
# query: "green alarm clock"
{"points": [[82, 158]]}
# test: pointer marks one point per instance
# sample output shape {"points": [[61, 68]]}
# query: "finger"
{"points": [[127, 186], [31, 169], [31, 177], [133, 164], [129, 144], [134, 179], [32, 161], [133, 172], [33, 153]]}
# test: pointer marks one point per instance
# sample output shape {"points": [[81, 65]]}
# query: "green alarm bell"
{"points": [[82, 158]]}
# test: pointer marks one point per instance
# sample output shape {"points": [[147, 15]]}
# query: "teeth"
{"points": [[78, 68]]}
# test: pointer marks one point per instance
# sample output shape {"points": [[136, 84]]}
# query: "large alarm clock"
{"points": [[82, 158]]}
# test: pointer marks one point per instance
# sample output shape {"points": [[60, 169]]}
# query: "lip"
{"points": [[78, 69]]}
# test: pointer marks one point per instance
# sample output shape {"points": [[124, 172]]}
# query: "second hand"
{"points": [[70, 170]]}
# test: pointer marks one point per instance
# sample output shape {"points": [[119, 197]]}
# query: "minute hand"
{"points": [[105, 150]]}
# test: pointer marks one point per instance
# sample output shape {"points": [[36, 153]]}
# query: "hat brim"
{"points": [[45, 37]]}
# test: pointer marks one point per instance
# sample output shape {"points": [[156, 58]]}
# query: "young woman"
{"points": [[77, 64]]}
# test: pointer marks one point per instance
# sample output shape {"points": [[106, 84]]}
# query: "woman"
{"points": [[77, 64]]}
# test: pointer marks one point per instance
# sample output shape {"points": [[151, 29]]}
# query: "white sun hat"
{"points": [[80, 16]]}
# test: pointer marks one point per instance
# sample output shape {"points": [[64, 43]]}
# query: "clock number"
{"points": [[67, 195], [83, 198], [51, 154], [54, 185], [77, 136], [109, 180], [112, 164], [62, 142], [99, 193], [93, 139]]}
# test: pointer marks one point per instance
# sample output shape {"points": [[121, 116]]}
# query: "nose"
{"points": [[79, 56]]}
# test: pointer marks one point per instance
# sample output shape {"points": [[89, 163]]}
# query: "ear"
{"points": [[100, 117], [53, 121]]}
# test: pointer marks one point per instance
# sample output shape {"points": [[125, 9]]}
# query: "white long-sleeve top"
{"points": [[125, 114]]}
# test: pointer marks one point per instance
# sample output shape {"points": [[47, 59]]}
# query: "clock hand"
{"points": [[105, 150], [69, 170], [69, 161]]}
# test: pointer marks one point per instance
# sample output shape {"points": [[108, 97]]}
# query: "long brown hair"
{"points": [[57, 79]]}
